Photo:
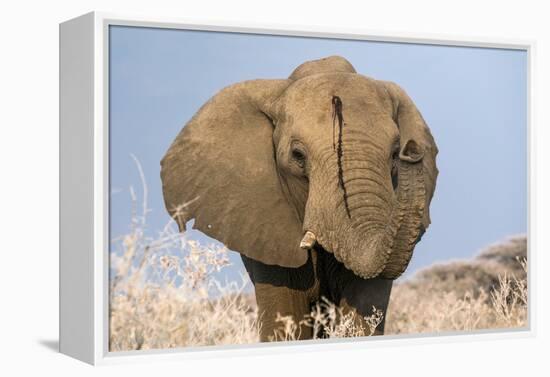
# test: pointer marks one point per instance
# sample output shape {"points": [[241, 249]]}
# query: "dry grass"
{"points": [[488, 292], [164, 294], [327, 321]]}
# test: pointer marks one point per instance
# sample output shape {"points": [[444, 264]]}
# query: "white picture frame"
{"points": [[84, 187]]}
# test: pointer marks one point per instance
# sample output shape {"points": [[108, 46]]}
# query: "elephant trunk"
{"points": [[372, 230], [411, 195]]}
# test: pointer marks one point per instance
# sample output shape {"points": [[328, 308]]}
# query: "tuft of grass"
{"points": [[328, 321]]}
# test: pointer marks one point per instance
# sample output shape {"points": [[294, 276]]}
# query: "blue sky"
{"points": [[473, 99]]}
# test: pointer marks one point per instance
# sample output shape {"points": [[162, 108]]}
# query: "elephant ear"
{"points": [[221, 171], [417, 142], [417, 176]]}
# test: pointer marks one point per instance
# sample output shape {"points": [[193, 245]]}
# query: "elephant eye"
{"points": [[299, 157]]}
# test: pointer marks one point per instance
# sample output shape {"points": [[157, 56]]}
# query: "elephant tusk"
{"points": [[308, 241]]}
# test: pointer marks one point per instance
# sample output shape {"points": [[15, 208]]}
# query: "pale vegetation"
{"points": [[164, 294], [488, 292]]}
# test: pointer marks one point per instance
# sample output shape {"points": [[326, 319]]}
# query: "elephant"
{"points": [[321, 181]]}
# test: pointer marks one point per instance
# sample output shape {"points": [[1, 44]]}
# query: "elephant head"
{"points": [[327, 157]]}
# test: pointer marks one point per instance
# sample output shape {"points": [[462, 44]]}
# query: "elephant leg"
{"points": [[360, 296], [285, 302], [352, 293], [284, 291]]}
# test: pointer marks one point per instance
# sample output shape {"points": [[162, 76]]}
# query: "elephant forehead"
{"points": [[309, 105], [313, 95]]}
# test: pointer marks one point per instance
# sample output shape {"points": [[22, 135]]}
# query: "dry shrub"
{"points": [[489, 292], [169, 301]]}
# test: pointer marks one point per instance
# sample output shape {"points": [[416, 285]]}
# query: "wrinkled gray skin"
{"points": [[329, 151]]}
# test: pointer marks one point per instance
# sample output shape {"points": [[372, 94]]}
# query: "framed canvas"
{"points": [[229, 189]]}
